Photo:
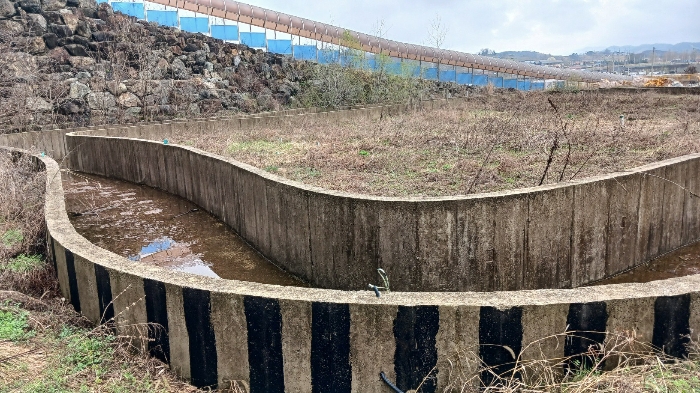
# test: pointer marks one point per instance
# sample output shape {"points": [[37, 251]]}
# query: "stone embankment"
{"points": [[72, 62]]}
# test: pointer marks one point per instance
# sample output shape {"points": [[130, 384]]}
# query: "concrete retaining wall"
{"points": [[559, 236], [271, 338], [283, 339]]}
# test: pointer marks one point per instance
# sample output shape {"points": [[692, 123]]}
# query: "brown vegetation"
{"points": [[497, 141]]}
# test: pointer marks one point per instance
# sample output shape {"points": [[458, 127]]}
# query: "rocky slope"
{"points": [[70, 62]]}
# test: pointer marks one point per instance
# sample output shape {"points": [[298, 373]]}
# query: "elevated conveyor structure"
{"points": [[231, 10]]}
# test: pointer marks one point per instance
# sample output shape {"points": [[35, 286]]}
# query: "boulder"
{"points": [[83, 5], [78, 90], [101, 101], [105, 11], [37, 104], [53, 17], [128, 100], [53, 5], [11, 27], [133, 111], [116, 88], [180, 71], [30, 6], [78, 62], [60, 55], [7, 9], [71, 20], [76, 50], [101, 36], [37, 23], [61, 31], [50, 40], [83, 30], [35, 45], [72, 107]]}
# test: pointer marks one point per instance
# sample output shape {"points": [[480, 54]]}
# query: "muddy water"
{"points": [[682, 262], [151, 226]]}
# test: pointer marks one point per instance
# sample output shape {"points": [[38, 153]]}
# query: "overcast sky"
{"points": [[558, 27]]}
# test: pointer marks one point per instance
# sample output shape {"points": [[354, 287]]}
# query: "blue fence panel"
{"points": [[448, 75], [305, 52], [480, 80], [496, 81], [510, 83], [195, 25], [131, 9], [225, 32], [524, 84], [464, 79], [253, 40], [102, 1], [370, 63], [394, 68], [537, 86], [282, 47], [327, 56], [165, 18], [430, 73]]}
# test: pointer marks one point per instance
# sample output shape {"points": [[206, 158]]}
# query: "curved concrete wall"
{"points": [[560, 236], [279, 339]]}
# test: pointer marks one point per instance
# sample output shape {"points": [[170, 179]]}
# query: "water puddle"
{"points": [[682, 262], [147, 225]]}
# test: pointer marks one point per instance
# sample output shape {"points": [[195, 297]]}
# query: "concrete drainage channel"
{"points": [[272, 338]]}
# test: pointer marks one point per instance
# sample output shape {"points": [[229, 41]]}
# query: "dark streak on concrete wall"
{"points": [[672, 324], [586, 323], [264, 322], [72, 281], [330, 348], [203, 361], [498, 330], [104, 294], [157, 317], [415, 332]]}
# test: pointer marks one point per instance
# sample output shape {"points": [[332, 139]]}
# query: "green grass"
{"points": [[12, 237], [14, 325], [23, 264]]}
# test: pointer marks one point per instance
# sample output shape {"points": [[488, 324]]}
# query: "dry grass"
{"points": [[623, 364], [494, 141]]}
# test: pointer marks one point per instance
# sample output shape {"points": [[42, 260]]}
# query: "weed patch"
{"points": [[14, 325], [23, 264]]}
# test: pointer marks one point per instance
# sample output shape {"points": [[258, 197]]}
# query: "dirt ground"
{"points": [[494, 141]]}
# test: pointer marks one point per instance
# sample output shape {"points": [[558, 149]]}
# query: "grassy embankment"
{"points": [[498, 141]]}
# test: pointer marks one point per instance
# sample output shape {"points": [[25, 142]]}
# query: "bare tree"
{"points": [[437, 34]]}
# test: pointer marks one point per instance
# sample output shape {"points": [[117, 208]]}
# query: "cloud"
{"points": [[550, 26]]}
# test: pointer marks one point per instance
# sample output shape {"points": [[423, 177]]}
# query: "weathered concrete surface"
{"points": [[558, 236]]}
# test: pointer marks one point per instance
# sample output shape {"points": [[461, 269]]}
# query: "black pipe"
{"points": [[388, 382]]}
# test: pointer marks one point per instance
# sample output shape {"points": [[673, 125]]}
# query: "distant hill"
{"points": [[522, 55], [681, 47]]}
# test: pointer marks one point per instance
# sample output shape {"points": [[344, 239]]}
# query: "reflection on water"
{"points": [[682, 262], [166, 252], [151, 226]]}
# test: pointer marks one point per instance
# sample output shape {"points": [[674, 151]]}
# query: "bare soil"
{"points": [[494, 141]]}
